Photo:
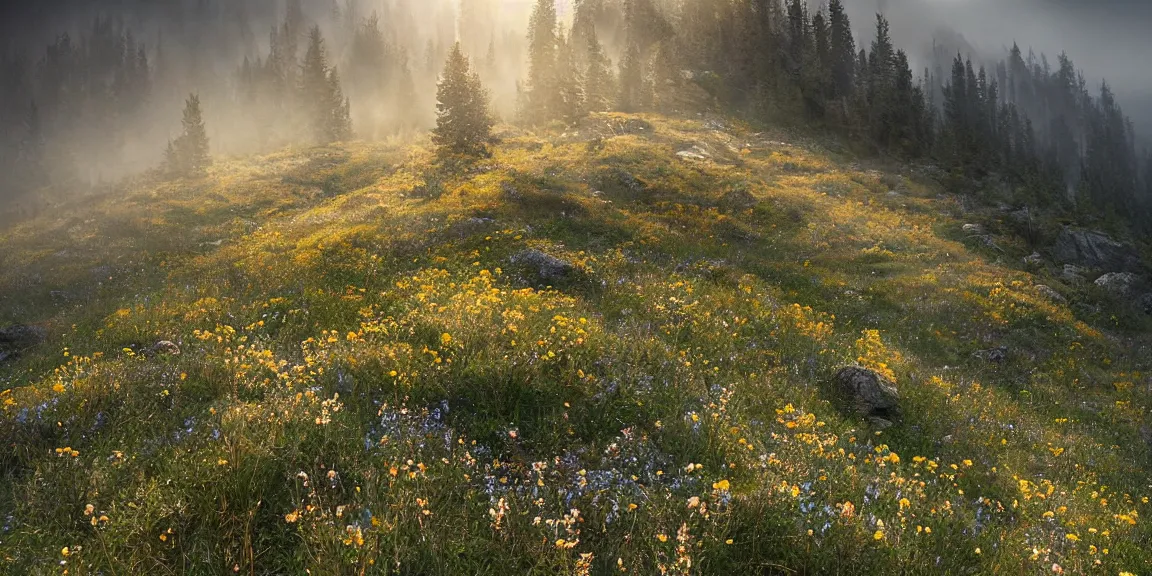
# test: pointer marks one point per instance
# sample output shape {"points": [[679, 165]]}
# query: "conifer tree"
{"points": [[324, 101], [463, 121], [188, 155], [842, 50], [569, 82], [541, 93], [597, 77]]}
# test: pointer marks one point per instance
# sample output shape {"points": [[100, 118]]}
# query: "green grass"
{"points": [[368, 384]]}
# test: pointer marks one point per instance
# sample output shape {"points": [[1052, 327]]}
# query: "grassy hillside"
{"points": [[376, 375]]}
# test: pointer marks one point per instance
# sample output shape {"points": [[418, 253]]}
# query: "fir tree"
{"points": [[541, 93], [597, 77], [463, 121], [569, 83], [324, 101], [188, 155], [842, 50]]}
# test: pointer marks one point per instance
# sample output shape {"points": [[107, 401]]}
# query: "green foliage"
{"points": [[327, 109], [188, 154], [463, 121], [542, 100]]}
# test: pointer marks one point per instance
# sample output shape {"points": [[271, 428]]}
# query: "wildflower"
{"points": [[1072, 537], [879, 535], [355, 536], [662, 537], [89, 509], [722, 485], [693, 501], [291, 517], [65, 551], [1056, 569], [904, 503], [728, 541], [445, 339], [848, 509]]}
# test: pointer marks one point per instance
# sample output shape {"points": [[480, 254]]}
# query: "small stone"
{"points": [[880, 423], [1073, 275], [165, 348], [869, 394], [994, 355], [547, 267], [1050, 293]]}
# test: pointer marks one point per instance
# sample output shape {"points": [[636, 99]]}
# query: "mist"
{"points": [[1106, 39], [101, 85], [98, 86]]}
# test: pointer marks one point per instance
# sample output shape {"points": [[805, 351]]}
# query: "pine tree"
{"points": [[597, 77], [324, 101], [569, 83], [842, 50], [823, 53], [188, 155], [541, 92], [463, 121], [339, 124]]}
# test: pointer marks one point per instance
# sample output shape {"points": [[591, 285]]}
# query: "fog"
{"points": [[1107, 39], [70, 59], [97, 121]]}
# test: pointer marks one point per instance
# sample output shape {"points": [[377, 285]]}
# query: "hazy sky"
{"points": [[1107, 39]]}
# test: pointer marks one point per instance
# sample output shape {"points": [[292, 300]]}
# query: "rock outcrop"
{"points": [[1090, 249]]}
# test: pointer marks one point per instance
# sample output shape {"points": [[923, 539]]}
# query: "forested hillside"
{"points": [[535, 287], [101, 99]]}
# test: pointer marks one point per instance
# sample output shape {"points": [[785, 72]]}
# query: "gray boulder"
{"points": [[1073, 275], [868, 394], [1050, 293], [1119, 284], [546, 267], [1090, 249], [975, 229], [18, 338]]}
